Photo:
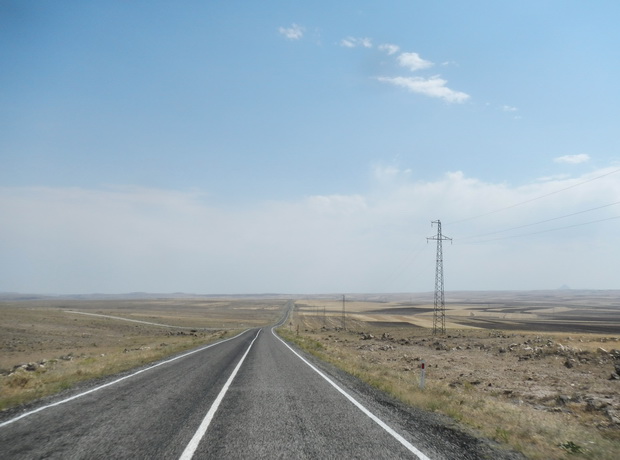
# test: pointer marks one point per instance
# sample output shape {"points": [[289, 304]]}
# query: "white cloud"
{"points": [[294, 32], [353, 42], [389, 48], [390, 175], [573, 159], [553, 177], [337, 204], [413, 61], [508, 108], [432, 87], [74, 240]]}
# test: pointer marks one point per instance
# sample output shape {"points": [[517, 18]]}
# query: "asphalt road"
{"points": [[248, 397]]}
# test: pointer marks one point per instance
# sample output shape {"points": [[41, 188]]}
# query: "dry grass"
{"points": [[57, 374], [540, 428], [45, 349]]}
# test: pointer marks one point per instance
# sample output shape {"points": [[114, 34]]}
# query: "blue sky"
{"points": [[302, 147]]}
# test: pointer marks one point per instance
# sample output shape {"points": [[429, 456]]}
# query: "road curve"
{"points": [[265, 400]]}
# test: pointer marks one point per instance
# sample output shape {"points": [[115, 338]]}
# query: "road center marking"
{"points": [[357, 404], [188, 453]]}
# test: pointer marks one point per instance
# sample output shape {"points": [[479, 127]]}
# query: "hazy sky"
{"points": [[305, 147]]}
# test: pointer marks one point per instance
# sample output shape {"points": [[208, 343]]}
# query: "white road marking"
{"points": [[357, 404], [58, 403], [188, 453]]}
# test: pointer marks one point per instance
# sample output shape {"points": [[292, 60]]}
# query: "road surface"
{"points": [[251, 396]]}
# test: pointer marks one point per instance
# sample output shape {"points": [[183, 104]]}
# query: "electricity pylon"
{"points": [[439, 310]]}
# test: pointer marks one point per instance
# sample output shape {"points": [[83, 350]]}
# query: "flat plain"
{"points": [[536, 370], [51, 344]]}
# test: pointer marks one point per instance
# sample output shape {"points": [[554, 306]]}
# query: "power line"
{"points": [[405, 264], [533, 199], [539, 222], [548, 230]]}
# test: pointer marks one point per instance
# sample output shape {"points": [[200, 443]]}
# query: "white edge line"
{"points": [[357, 404], [188, 453], [92, 390]]}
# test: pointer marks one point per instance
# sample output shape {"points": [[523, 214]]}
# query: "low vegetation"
{"points": [[548, 396], [36, 379], [50, 346]]}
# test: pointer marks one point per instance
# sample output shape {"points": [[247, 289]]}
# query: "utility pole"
{"points": [[439, 310], [343, 313]]}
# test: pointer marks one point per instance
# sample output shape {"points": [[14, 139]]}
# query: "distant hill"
{"points": [[416, 297], [16, 296]]}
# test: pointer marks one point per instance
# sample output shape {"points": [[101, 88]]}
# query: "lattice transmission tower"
{"points": [[439, 310]]}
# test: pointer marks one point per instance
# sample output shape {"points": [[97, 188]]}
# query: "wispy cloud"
{"points": [[128, 239], [573, 159], [413, 62], [294, 32], [354, 42], [389, 48], [432, 87], [509, 108]]}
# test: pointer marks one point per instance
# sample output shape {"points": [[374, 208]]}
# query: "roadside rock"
{"points": [[570, 363], [564, 399], [613, 415], [596, 404]]}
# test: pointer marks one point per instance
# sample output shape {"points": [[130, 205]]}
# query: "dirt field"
{"points": [[537, 370], [555, 354], [548, 311], [47, 345]]}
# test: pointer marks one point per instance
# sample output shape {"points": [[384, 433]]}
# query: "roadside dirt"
{"points": [[48, 345], [553, 351], [576, 375], [544, 395]]}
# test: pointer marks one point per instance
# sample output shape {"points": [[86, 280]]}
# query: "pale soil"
{"points": [[48, 345], [547, 372], [548, 357], [547, 353], [35, 330]]}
